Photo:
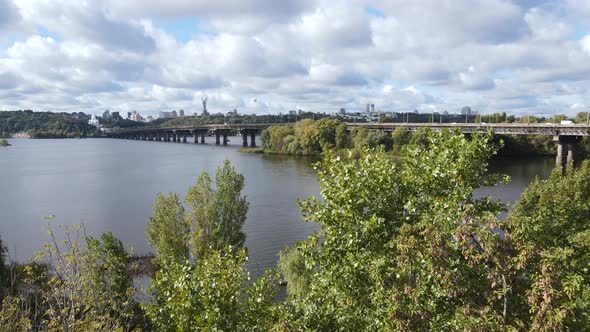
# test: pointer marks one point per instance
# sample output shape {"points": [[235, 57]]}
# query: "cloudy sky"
{"points": [[516, 56]]}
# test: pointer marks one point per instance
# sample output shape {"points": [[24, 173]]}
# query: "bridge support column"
{"points": [[225, 138], [174, 138], [166, 137], [202, 138], [244, 139], [184, 138], [195, 137], [158, 137], [253, 139], [566, 149], [571, 152], [217, 141]]}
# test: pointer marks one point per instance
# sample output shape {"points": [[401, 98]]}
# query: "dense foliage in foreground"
{"points": [[403, 246]]}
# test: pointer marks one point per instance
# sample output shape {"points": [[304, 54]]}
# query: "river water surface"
{"points": [[109, 185]]}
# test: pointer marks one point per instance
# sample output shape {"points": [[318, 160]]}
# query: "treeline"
{"points": [[309, 137], [402, 246], [46, 124]]}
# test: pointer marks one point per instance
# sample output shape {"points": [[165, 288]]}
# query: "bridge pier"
{"points": [[166, 137], [219, 134], [253, 139], [183, 138], [249, 132], [203, 138], [566, 149]]}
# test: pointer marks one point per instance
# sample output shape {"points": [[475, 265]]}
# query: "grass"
{"points": [[252, 150]]}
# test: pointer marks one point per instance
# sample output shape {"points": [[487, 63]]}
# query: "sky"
{"points": [[267, 56]]}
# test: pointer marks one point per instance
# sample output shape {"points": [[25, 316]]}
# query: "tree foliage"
{"points": [[46, 124], [550, 233], [209, 289]]}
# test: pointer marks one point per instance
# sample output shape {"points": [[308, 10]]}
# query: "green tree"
{"points": [[166, 229], [211, 290], [215, 295], [549, 231], [217, 214], [397, 242]]}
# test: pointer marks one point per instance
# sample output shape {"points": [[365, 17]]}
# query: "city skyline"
{"points": [[264, 57]]}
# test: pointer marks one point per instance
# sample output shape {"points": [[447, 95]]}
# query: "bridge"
{"points": [[565, 135]]}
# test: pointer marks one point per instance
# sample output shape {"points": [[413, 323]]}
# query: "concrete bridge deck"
{"points": [[565, 135], [496, 128]]}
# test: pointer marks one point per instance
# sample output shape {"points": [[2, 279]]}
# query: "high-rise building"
{"points": [[181, 113], [372, 108], [466, 110], [116, 116], [135, 117], [342, 110], [368, 108]]}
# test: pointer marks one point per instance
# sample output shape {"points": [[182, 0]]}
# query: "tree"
{"points": [[166, 229], [210, 290], [214, 295], [86, 285], [550, 234], [217, 215], [398, 247]]}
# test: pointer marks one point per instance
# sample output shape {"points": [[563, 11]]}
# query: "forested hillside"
{"points": [[46, 124]]}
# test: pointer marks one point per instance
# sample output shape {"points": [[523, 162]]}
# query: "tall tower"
{"points": [[204, 100]]}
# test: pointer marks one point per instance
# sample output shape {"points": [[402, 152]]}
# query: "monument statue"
{"points": [[204, 100]]}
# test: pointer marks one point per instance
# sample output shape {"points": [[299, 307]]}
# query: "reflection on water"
{"points": [[110, 186]]}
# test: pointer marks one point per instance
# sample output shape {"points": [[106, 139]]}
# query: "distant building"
{"points": [[174, 114], [135, 117], [128, 115], [372, 108], [292, 112], [342, 111], [22, 134], [116, 116], [93, 121], [166, 115], [181, 113], [466, 110], [368, 108], [149, 118]]}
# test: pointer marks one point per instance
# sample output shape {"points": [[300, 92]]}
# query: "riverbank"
{"points": [[4, 142]]}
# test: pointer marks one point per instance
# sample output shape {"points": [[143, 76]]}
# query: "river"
{"points": [[110, 185]]}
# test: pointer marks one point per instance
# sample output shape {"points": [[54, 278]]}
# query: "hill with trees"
{"points": [[46, 124]]}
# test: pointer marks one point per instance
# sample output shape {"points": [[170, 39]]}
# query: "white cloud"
{"points": [[514, 56]]}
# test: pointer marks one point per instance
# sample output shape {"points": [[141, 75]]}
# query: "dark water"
{"points": [[110, 185]]}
